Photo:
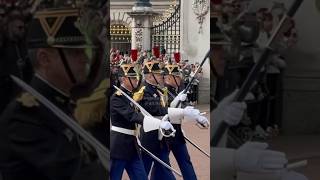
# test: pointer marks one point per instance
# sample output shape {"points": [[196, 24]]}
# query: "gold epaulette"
{"points": [[91, 109], [137, 96], [165, 91], [28, 100]]}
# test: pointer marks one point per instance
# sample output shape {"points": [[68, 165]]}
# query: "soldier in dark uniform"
{"points": [[35, 144], [153, 100], [124, 149], [177, 144]]}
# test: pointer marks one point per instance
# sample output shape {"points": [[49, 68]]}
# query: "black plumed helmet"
{"points": [[172, 69], [152, 66], [63, 28], [127, 70]]}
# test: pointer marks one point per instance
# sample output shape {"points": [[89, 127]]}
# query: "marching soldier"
{"points": [[152, 99], [177, 144], [124, 149], [36, 144]]}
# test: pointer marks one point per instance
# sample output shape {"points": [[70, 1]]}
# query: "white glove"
{"points": [[175, 115], [150, 123], [290, 175], [203, 120], [229, 111], [166, 125], [279, 62], [190, 113], [180, 97], [254, 157]]}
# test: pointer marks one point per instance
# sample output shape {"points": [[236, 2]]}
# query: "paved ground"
{"points": [[300, 148], [296, 147], [201, 137], [200, 162]]}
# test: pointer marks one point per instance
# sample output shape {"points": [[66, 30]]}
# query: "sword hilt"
{"points": [[167, 133]]}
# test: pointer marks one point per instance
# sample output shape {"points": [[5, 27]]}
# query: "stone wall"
{"points": [[194, 45]]}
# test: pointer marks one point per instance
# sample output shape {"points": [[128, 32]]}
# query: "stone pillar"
{"points": [[141, 14], [195, 45]]}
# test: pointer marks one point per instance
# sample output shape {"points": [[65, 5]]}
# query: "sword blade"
{"points": [[71, 123], [196, 146], [159, 160]]}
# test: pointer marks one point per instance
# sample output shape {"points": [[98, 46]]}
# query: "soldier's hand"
{"points": [[203, 121], [191, 113], [254, 157], [180, 97], [166, 125], [229, 111]]}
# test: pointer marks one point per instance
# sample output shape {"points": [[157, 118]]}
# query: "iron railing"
{"points": [[166, 35]]}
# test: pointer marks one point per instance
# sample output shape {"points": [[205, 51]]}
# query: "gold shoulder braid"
{"points": [[162, 99], [27, 100], [165, 95], [137, 96]]}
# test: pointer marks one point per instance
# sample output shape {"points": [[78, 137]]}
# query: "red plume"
{"points": [[156, 51], [134, 54], [176, 57]]}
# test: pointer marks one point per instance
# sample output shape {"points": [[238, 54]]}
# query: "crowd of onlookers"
{"points": [[241, 33], [14, 18]]}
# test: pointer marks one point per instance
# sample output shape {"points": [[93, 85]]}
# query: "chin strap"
{"points": [[175, 81], [66, 66], [155, 79], [131, 84]]}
